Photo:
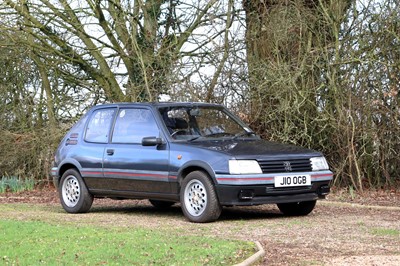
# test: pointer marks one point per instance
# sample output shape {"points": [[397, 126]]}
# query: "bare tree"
{"points": [[128, 48], [324, 74], [85, 52]]}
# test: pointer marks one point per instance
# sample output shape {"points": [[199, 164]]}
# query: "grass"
{"points": [[16, 184], [37, 242], [385, 232]]}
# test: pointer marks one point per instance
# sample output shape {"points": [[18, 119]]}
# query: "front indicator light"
{"points": [[319, 163]]}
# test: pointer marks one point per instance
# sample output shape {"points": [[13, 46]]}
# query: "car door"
{"points": [[90, 152], [130, 167]]}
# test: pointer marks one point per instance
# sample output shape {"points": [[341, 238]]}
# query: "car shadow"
{"points": [[228, 213], [248, 213], [128, 207]]}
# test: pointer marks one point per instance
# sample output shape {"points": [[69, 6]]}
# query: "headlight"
{"points": [[239, 167], [319, 163]]}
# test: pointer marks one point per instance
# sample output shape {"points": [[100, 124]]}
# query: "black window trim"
{"points": [[132, 107], [109, 129]]}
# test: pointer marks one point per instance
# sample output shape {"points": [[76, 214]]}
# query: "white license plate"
{"points": [[292, 180]]}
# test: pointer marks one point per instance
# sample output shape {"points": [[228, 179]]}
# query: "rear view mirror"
{"points": [[151, 141], [195, 112]]}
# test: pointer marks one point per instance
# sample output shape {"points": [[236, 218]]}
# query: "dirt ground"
{"points": [[344, 229]]}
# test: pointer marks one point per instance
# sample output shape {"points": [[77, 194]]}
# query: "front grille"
{"points": [[281, 166], [270, 189]]}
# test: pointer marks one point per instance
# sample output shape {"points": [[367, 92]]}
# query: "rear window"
{"points": [[99, 125]]}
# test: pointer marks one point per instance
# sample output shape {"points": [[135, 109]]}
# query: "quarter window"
{"points": [[132, 125], [99, 126]]}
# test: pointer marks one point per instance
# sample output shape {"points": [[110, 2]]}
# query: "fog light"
{"points": [[246, 194], [324, 190]]}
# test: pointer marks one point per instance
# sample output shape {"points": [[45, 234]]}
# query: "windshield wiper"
{"points": [[194, 138], [244, 134]]}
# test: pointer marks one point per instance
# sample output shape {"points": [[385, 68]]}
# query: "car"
{"points": [[197, 154]]}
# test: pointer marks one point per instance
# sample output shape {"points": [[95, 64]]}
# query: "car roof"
{"points": [[158, 104]]}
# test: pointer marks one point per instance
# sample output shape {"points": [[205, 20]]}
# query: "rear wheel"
{"points": [[297, 208], [74, 196], [161, 204], [199, 200]]}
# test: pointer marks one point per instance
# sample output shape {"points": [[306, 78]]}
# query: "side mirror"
{"points": [[152, 141]]}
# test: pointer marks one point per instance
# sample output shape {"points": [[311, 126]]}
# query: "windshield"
{"points": [[190, 123]]}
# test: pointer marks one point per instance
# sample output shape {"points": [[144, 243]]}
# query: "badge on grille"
{"points": [[287, 166]]}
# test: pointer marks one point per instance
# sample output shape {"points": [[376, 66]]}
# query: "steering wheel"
{"points": [[178, 132]]}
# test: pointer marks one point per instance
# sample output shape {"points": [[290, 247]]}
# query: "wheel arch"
{"points": [[196, 166], [66, 165]]}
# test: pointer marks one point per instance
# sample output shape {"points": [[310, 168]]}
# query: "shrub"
{"points": [[16, 184]]}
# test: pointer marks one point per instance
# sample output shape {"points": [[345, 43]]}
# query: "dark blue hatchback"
{"points": [[198, 154]]}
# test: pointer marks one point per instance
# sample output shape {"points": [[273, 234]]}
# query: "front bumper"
{"points": [[257, 195], [260, 189], [54, 175]]}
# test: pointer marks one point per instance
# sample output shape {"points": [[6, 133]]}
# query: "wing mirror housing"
{"points": [[152, 141]]}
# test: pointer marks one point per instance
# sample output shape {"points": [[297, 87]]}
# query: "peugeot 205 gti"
{"points": [[198, 154]]}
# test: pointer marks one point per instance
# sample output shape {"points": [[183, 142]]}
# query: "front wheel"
{"points": [[297, 208], [199, 200], [74, 196]]}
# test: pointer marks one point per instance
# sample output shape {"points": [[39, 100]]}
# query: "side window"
{"points": [[132, 125], [99, 125]]}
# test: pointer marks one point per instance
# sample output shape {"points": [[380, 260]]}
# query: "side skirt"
{"points": [[102, 193]]}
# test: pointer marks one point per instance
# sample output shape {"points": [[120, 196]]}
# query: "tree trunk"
{"points": [[285, 41]]}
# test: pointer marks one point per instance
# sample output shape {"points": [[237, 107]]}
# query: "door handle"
{"points": [[110, 151]]}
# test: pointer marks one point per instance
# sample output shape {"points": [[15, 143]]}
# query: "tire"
{"points": [[297, 208], [160, 204], [74, 196], [199, 200]]}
